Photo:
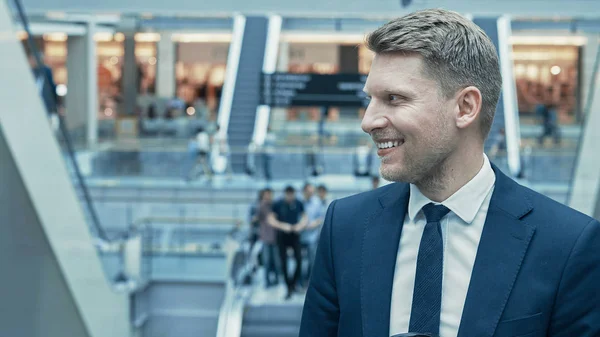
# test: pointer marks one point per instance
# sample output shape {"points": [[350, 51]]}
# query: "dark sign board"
{"points": [[285, 89]]}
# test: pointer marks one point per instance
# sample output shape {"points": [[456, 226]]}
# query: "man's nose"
{"points": [[373, 119]]}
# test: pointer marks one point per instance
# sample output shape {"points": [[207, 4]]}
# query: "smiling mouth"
{"points": [[389, 144]]}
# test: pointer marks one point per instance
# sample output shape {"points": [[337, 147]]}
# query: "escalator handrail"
{"points": [[62, 125], [237, 295]]}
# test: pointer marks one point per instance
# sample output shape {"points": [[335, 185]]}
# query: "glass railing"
{"points": [[152, 247], [172, 160], [171, 248]]}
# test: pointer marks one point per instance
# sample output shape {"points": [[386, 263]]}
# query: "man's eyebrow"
{"points": [[390, 91]]}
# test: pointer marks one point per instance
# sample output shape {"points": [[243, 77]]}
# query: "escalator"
{"points": [[247, 88], [271, 320], [251, 311]]}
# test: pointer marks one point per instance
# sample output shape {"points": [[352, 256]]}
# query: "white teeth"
{"points": [[388, 145]]}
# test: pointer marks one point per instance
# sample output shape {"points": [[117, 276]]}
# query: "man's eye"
{"points": [[394, 98]]}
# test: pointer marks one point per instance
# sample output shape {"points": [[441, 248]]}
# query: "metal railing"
{"points": [[244, 262]]}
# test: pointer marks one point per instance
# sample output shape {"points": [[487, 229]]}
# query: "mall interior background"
{"points": [[111, 236]]}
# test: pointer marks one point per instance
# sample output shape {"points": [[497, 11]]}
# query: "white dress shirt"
{"points": [[461, 230]]}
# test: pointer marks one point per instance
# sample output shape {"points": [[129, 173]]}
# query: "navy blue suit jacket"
{"points": [[537, 270]]}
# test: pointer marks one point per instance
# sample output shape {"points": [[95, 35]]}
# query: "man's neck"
{"points": [[451, 176]]}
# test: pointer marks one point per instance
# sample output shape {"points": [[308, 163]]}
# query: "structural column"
{"points": [[348, 63], [283, 58], [269, 65], [507, 113], [82, 95], [165, 68]]}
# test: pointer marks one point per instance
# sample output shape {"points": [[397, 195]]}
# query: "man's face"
{"points": [[289, 196], [268, 196], [322, 194], [309, 191], [408, 118]]}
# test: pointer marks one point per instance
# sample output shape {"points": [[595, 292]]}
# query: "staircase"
{"points": [[247, 88], [272, 320]]}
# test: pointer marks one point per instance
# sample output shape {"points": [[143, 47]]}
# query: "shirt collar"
{"points": [[465, 202]]}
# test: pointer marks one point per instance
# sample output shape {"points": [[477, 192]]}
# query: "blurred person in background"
{"points": [[498, 143], [309, 236], [200, 106], [221, 153], [201, 145], [317, 223], [288, 216], [268, 149], [548, 111], [253, 218], [322, 193], [321, 132], [250, 167], [454, 247], [374, 182], [363, 159], [313, 164], [268, 237], [44, 81]]}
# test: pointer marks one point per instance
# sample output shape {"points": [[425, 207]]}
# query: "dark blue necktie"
{"points": [[427, 296]]}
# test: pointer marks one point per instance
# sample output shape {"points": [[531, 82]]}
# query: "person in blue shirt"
{"points": [[310, 235]]}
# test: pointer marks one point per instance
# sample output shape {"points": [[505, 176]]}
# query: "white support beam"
{"points": [[82, 96], [165, 67], [233, 61], [261, 123], [509, 96]]}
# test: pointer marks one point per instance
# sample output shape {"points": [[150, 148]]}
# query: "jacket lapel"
{"points": [[502, 247], [381, 237]]}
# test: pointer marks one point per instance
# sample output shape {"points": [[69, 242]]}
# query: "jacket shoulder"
{"points": [[552, 218], [366, 199]]}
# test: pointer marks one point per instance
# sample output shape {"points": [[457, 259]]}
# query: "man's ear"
{"points": [[469, 102]]}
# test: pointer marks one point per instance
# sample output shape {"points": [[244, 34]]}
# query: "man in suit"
{"points": [[454, 247]]}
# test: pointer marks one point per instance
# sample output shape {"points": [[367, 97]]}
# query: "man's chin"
{"points": [[392, 174]]}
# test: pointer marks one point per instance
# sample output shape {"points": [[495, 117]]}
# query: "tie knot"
{"points": [[435, 213]]}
